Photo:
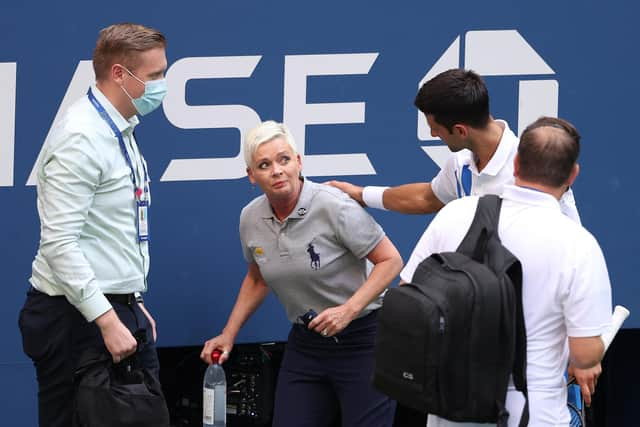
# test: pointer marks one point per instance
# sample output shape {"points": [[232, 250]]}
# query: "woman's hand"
{"points": [[333, 320], [252, 292], [223, 343]]}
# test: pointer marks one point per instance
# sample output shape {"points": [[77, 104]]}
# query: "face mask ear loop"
{"points": [[126, 93], [132, 75]]}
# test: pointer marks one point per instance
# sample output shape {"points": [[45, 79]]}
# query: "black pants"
{"points": [[321, 378], [54, 334]]}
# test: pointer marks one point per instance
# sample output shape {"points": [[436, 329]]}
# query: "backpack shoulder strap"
{"points": [[483, 227], [520, 357]]}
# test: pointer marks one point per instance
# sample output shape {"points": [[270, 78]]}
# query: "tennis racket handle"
{"points": [[618, 317]]}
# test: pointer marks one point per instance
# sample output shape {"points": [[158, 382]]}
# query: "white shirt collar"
{"points": [[122, 124], [530, 196], [503, 152], [499, 158]]}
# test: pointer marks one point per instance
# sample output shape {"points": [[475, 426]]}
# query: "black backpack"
{"points": [[448, 341]]}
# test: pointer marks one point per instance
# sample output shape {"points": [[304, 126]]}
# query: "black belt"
{"points": [[126, 299]]}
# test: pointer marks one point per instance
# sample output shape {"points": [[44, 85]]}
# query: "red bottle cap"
{"points": [[215, 356]]}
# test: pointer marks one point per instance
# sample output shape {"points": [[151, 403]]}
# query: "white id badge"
{"points": [[143, 220]]}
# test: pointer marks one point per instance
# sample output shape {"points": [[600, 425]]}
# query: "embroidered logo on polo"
{"points": [[314, 256], [258, 253]]}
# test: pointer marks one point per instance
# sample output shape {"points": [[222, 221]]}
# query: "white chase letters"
{"points": [[7, 121], [297, 112]]}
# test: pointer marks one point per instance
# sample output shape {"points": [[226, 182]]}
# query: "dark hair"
{"points": [[121, 43], [548, 150], [455, 96]]}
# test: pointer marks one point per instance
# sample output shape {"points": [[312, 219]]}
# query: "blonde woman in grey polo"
{"points": [[309, 244]]}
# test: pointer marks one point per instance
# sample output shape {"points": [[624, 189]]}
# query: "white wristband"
{"points": [[372, 196]]}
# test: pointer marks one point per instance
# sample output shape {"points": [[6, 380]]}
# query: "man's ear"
{"points": [[575, 171], [462, 130], [117, 73], [516, 165]]}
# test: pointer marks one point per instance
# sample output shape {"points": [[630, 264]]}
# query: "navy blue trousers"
{"points": [[321, 379], [54, 334]]}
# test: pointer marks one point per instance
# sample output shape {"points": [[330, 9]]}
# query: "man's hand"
{"points": [[151, 321], [587, 379], [117, 338], [354, 191]]}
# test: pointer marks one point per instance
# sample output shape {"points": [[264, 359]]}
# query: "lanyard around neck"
{"points": [[105, 116]]}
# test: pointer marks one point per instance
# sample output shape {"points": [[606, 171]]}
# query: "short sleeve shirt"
{"points": [[565, 291], [315, 258], [460, 177]]}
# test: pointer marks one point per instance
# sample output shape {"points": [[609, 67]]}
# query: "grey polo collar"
{"points": [[299, 211]]}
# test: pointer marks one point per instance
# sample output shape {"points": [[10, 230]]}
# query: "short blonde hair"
{"points": [[265, 132], [121, 44]]}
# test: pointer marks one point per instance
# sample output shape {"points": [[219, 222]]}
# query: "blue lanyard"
{"points": [[105, 116]]}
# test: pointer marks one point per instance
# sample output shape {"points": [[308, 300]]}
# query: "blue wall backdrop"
{"points": [[343, 75]]}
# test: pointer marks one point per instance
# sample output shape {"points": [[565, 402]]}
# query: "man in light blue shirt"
{"points": [[93, 197]]}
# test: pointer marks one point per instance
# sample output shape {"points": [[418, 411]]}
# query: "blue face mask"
{"points": [[154, 93]]}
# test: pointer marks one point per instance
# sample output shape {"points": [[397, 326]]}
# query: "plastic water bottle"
{"points": [[214, 394]]}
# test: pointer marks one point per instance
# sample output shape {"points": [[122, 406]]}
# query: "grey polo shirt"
{"points": [[315, 258]]}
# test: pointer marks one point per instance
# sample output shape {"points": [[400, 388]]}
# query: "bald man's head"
{"points": [[548, 151]]}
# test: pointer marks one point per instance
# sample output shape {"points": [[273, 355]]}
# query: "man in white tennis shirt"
{"points": [[566, 289], [456, 106]]}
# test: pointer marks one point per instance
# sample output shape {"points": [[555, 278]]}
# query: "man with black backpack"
{"points": [[566, 294]]}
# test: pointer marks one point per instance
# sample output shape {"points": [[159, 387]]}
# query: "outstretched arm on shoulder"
{"points": [[415, 198]]}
